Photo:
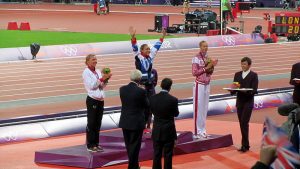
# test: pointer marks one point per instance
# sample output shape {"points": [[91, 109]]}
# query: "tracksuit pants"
{"points": [[201, 99]]}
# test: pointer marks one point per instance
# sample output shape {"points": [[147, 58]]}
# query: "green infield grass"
{"points": [[16, 38]]}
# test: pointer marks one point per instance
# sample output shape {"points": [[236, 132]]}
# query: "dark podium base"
{"points": [[115, 152]]}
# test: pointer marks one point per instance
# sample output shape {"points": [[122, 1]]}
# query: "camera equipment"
{"points": [[293, 37], [198, 21], [172, 29], [257, 29], [269, 40], [285, 109], [34, 48]]}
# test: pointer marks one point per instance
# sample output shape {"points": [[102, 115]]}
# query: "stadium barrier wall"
{"points": [[69, 126], [75, 50]]}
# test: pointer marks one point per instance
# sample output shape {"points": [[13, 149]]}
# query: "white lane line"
{"points": [[167, 52], [45, 10], [163, 59], [66, 69], [91, 11], [85, 11], [112, 85], [171, 68], [70, 95], [120, 69], [80, 90]]}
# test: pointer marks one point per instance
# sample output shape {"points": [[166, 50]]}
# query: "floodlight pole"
{"points": [[221, 17]]}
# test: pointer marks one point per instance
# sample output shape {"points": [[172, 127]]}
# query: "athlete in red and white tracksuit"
{"points": [[202, 71]]}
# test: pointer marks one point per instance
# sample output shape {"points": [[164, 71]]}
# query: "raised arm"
{"points": [[132, 32], [158, 44]]}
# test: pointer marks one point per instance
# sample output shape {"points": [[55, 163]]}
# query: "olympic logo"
{"points": [[165, 45], [229, 40], [69, 50], [259, 104], [10, 137]]}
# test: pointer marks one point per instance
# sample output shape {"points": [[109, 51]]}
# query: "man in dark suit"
{"points": [[132, 121], [245, 99], [295, 73], [164, 108]]}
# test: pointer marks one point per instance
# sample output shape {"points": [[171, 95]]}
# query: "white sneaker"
{"points": [[196, 136], [92, 149], [204, 135]]}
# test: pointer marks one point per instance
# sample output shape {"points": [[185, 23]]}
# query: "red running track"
{"points": [[61, 78]]}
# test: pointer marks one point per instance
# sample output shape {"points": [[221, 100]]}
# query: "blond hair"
{"points": [[88, 57], [200, 44]]}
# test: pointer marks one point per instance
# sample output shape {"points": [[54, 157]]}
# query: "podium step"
{"points": [[115, 152]]}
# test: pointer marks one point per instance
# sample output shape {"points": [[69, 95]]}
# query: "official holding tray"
{"points": [[245, 86]]}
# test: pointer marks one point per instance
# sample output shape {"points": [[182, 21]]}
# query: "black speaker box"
{"points": [[158, 23], [34, 48], [171, 29], [212, 25], [268, 40], [244, 6]]}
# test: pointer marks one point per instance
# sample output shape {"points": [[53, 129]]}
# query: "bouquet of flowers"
{"points": [[106, 71], [213, 62], [235, 85]]}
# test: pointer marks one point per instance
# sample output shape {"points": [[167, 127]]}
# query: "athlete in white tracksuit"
{"points": [[202, 70]]}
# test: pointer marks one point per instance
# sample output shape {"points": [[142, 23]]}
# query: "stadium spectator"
{"points": [[226, 9], [267, 156], [186, 6]]}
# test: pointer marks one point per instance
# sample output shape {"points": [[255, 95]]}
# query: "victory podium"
{"points": [[115, 152]]}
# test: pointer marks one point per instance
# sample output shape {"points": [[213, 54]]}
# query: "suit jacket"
{"points": [[134, 103], [250, 81], [164, 108], [260, 165], [295, 73]]}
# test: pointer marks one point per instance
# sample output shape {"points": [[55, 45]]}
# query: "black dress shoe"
{"points": [[243, 149]]}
